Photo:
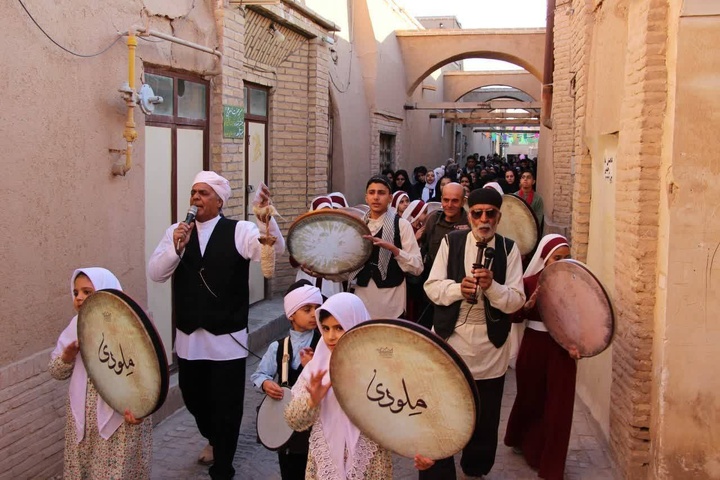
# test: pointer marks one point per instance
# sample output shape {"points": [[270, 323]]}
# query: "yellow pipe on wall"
{"points": [[130, 134]]}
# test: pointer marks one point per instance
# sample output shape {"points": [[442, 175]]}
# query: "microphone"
{"points": [[192, 211], [489, 257], [189, 218]]}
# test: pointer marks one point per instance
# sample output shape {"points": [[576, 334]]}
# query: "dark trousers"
{"points": [[478, 456], [292, 465], [214, 392]]}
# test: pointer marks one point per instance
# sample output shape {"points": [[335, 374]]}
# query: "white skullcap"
{"points": [[216, 182], [298, 298]]}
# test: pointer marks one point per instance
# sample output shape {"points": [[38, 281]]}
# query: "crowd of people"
{"points": [[428, 265]]}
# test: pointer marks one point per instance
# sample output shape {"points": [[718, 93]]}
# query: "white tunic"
{"points": [[470, 338], [201, 344]]}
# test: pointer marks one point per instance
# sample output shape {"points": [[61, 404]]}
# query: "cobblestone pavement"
{"points": [[177, 443]]}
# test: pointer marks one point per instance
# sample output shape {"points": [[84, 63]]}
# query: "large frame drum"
{"points": [[575, 307], [404, 388], [519, 223], [122, 353], [329, 242]]}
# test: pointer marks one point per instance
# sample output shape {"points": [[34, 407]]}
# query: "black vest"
{"points": [[299, 441], [226, 273], [395, 275], [446, 316], [293, 374]]}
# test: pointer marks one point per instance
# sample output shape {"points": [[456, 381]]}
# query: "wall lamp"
{"points": [[276, 34]]}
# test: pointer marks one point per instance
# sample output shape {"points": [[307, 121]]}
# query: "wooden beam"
{"points": [[452, 115], [491, 105], [520, 122]]}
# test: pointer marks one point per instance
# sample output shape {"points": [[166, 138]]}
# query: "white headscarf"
{"points": [[301, 296], [217, 183], [545, 249], [494, 185], [340, 433], [429, 191], [108, 419]]}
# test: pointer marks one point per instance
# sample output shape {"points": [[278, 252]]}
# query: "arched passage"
{"points": [[458, 84], [424, 51]]}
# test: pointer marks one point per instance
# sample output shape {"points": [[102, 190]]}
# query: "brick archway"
{"points": [[459, 84], [425, 51]]}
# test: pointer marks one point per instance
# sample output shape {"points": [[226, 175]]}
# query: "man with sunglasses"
{"points": [[472, 307]]}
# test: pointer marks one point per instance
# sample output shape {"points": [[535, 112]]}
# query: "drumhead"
{"points": [[329, 242], [518, 223], [404, 388], [122, 352], [575, 308], [272, 429]]}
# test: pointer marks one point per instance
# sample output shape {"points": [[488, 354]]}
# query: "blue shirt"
{"points": [[267, 369]]}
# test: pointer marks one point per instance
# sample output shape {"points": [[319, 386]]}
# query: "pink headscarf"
{"points": [[340, 433], [108, 419]]}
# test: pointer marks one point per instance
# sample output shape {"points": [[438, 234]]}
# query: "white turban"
{"points": [[217, 183], [298, 298]]}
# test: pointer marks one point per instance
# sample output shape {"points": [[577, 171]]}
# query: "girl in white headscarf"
{"points": [[338, 450], [99, 442], [431, 180]]}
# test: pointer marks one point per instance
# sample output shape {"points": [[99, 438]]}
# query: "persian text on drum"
{"points": [[420, 403], [122, 364]]}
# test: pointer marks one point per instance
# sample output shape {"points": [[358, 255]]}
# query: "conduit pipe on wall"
{"points": [[179, 41], [549, 67], [128, 90]]}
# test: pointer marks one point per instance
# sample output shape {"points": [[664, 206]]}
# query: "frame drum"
{"points": [[272, 429], [575, 308], [329, 242], [404, 388], [122, 352], [518, 223]]}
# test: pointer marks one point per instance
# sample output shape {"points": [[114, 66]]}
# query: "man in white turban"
{"points": [[210, 302]]}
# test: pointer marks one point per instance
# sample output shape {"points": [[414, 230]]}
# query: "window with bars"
{"points": [[387, 151]]}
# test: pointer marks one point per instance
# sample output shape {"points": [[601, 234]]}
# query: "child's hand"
{"points": [[531, 301], [306, 354], [273, 390], [70, 352], [423, 463], [130, 418], [316, 389]]}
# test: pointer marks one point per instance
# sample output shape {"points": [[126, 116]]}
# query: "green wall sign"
{"points": [[233, 121]]}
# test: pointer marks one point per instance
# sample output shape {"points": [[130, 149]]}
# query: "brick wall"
{"points": [[296, 72], [563, 120], [637, 200], [385, 123], [32, 419]]}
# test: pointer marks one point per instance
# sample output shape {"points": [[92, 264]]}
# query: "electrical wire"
{"points": [[63, 48]]}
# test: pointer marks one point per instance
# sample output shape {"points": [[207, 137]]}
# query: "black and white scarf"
{"points": [[388, 235]]}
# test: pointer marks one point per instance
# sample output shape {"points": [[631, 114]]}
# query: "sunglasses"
{"points": [[490, 213]]}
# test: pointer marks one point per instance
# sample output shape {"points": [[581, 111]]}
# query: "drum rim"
{"points": [[537, 223], [437, 340], [154, 339], [304, 216], [257, 430], [584, 267]]}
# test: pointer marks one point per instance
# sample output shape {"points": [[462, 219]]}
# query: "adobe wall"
{"points": [[69, 211]]}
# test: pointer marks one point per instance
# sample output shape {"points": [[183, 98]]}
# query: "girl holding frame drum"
{"points": [[338, 450], [99, 442]]}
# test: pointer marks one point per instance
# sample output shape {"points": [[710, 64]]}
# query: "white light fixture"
{"points": [[276, 34]]}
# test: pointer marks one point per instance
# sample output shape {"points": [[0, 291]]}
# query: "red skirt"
{"points": [[541, 417]]}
